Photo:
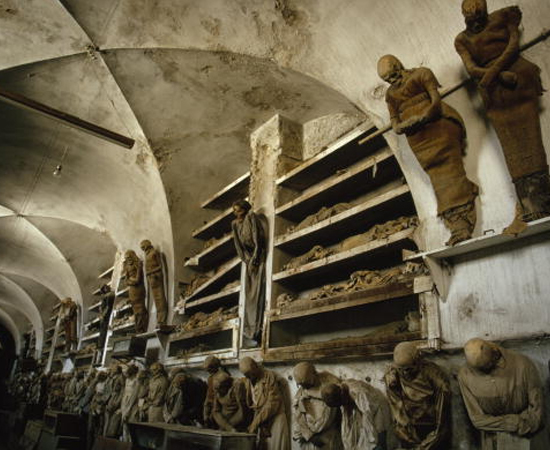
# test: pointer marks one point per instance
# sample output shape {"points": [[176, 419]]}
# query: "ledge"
{"points": [[107, 274], [358, 179], [90, 337], [95, 307], [487, 241], [339, 155], [124, 327], [218, 297], [124, 309], [214, 255], [123, 293], [348, 300], [216, 227], [341, 348], [354, 220], [222, 277], [229, 324], [234, 191], [354, 257]]}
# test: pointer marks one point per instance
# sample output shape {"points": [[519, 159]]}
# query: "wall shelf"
{"points": [[234, 191], [107, 274], [389, 204], [471, 246], [122, 310], [123, 293], [342, 153], [337, 349], [302, 308], [216, 227], [374, 171], [219, 298], [311, 274], [227, 274], [95, 307], [214, 255], [221, 338], [90, 337]]}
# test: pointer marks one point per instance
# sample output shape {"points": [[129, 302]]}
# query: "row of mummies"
{"points": [[501, 390]]}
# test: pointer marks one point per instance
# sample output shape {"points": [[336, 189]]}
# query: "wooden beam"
{"points": [[68, 119]]}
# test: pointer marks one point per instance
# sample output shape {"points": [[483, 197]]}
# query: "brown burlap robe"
{"points": [[512, 106]]}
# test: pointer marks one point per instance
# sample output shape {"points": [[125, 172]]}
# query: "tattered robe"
{"points": [[158, 386], [508, 398], [315, 421], [421, 406], [438, 145], [367, 423], [249, 239], [269, 410]]}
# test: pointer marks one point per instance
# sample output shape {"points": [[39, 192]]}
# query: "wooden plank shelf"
{"points": [[302, 308], [107, 274], [214, 255], [220, 340], [97, 292], [471, 246], [366, 175], [234, 191], [124, 309], [229, 273], [90, 337], [215, 228], [123, 293], [184, 335], [363, 347], [387, 205], [125, 327], [95, 307], [339, 155], [50, 330], [56, 307], [53, 318], [218, 298], [311, 274], [92, 323]]}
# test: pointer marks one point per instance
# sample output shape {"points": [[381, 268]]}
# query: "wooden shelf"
{"points": [[366, 175], [124, 327], [91, 337], [223, 337], [471, 246], [364, 347], [122, 310], [230, 273], [214, 255], [302, 308], [107, 274], [123, 293], [234, 191], [97, 292], [388, 205], [56, 307], [92, 322], [339, 155], [215, 228], [95, 307], [53, 318], [50, 330], [184, 335], [219, 297], [312, 274]]}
